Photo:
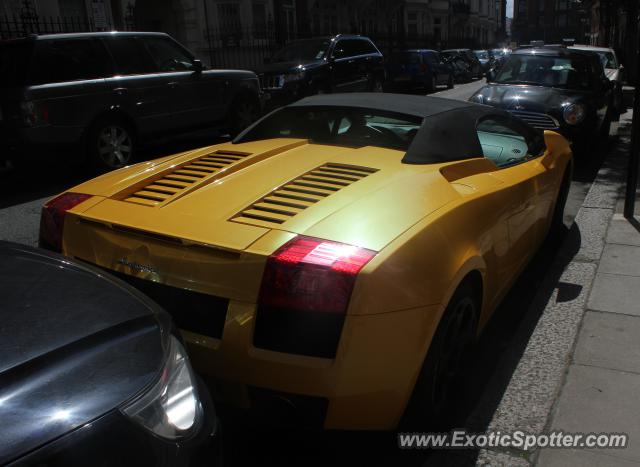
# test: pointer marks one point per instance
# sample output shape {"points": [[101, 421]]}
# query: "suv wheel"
{"points": [[111, 145], [376, 85]]}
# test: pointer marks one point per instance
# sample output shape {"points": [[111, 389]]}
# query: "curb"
{"points": [[529, 399]]}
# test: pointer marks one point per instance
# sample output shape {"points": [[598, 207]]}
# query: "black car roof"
{"points": [[417, 106], [448, 129], [551, 51], [80, 35]]}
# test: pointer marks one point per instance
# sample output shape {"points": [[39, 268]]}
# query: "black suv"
{"points": [[107, 93], [554, 88], [342, 63]]}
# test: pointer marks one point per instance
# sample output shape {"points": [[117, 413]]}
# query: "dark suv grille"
{"points": [[270, 81], [192, 311]]}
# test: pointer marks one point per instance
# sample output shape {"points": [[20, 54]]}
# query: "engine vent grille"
{"points": [[179, 179], [295, 196], [537, 120]]}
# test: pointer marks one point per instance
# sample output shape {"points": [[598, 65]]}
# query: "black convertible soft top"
{"points": [[448, 129]]}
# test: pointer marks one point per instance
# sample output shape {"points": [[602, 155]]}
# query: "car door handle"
{"points": [[351, 61], [173, 84], [119, 91]]}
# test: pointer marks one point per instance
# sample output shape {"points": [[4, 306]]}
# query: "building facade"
{"points": [[548, 20]]}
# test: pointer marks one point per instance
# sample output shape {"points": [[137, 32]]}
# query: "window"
{"points": [[505, 141], [229, 22], [347, 48], [562, 72], [365, 47], [342, 126], [58, 61], [259, 12], [130, 56], [167, 55]]}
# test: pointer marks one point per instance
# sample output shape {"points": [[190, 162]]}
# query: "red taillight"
{"points": [[310, 274], [52, 218], [34, 113]]}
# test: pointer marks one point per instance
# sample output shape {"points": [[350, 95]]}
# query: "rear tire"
{"points": [[431, 86], [111, 144], [448, 353], [376, 84]]}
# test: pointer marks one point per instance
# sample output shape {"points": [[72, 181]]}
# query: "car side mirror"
{"points": [[197, 66]]}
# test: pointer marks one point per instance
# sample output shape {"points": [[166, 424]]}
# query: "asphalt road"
{"points": [[23, 193]]}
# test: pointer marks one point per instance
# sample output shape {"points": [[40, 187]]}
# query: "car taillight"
{"points": [[52, 218], [310, 274], [34, 113]]}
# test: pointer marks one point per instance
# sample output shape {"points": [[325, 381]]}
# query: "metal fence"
{"points": [[12, 26]]}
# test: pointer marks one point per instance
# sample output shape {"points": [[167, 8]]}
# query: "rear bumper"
{"points": [[366, 387]]}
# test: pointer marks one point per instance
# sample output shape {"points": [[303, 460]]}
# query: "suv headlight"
{"points": [[573, 113], [171, 408]]}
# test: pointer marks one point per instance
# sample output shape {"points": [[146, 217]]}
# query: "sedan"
{"points": [[91, 370], [339, 257]]}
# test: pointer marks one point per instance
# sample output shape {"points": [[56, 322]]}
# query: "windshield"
{"points": [[340, 126], [608, 59], [498, 53], [15, 60], [302, 51], [482, 54], [564, 72]]}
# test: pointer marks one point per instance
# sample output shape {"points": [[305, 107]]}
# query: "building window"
{"points": [[259, 13], [562, 20], [412, 23], [229, 19]]}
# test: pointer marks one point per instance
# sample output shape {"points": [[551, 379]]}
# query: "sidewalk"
{"points": [[580, 371], [602, 387]]}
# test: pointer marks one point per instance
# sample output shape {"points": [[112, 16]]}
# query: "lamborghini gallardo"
{"points": [[339, 256]]}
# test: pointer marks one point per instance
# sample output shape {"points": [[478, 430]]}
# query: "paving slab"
{"points": [[620, 259], [600, 400], [488, 458], [609, 340], [593, 223], [582, 458], [615, 293], [621, 231], [538, 377]]}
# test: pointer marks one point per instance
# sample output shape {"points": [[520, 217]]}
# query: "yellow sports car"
{"points": [[339, 256]]}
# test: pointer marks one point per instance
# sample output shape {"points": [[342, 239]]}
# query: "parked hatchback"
{"points": [[92, 372], [342, 63], [108, 93], [418, 68]]}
